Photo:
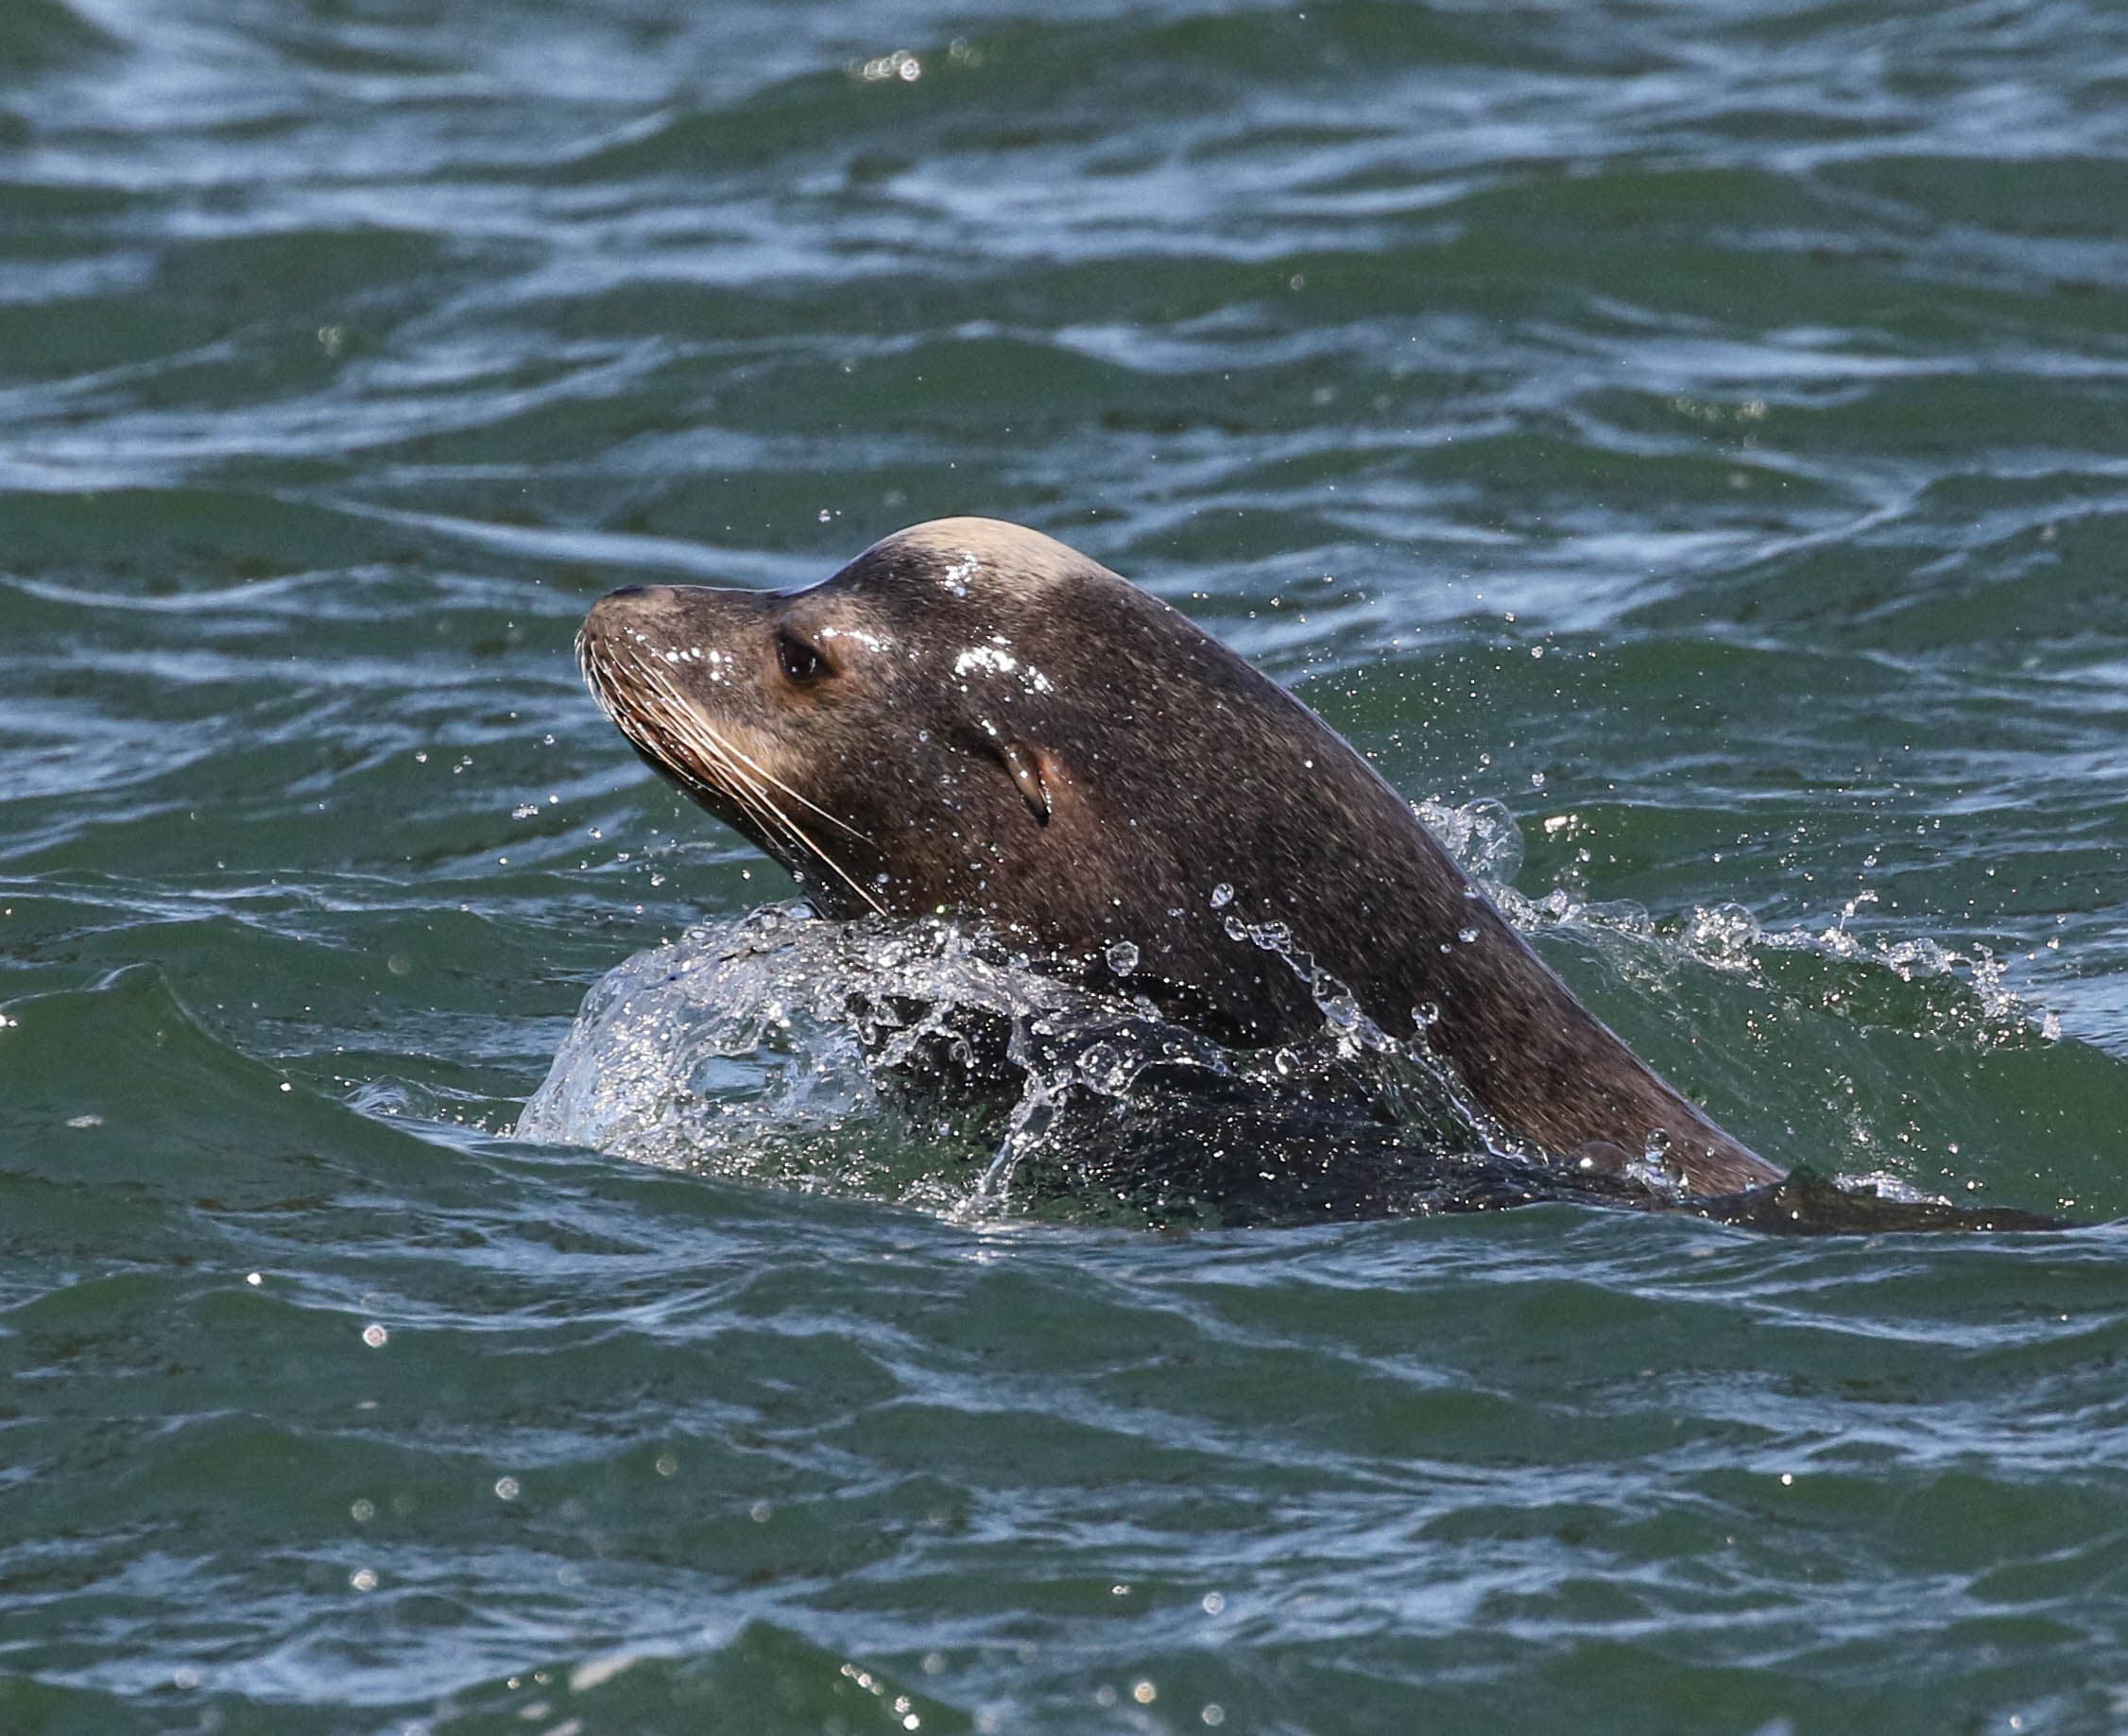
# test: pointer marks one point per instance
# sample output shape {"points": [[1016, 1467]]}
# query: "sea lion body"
{"points": [[973, 717]]}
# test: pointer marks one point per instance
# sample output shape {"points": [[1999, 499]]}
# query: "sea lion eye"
{"points": [[803, 663]]}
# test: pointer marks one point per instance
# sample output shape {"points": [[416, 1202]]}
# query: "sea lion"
{"points": [[972, 718]]}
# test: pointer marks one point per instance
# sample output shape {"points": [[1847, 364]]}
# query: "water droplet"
{"points": [[1339, 1009], [1122, 958], [1221, 895]]}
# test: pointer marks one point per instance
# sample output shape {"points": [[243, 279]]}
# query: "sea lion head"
{"points": [[969, 715]]}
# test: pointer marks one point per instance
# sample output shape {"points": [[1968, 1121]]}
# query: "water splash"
{"points": [[1974, 1003], [926, 1064], [921, 1061]]}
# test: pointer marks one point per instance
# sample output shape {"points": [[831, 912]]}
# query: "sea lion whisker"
{"points": [[832, 820], [655, 726], [754, 797], [682, 725], [679, 741], [753, 801], [842, 873], [665, 681], [742, 780]]}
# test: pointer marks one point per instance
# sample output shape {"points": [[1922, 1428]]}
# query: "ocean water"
{"points": [[1683, 443]]}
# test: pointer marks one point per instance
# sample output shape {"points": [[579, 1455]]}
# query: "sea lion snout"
{"points": [[676, 626], [625, 616]]}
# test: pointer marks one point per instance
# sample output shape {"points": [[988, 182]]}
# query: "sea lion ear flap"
{"points": [[1036, 772]]}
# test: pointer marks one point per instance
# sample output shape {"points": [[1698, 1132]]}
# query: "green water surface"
{"points": [[1697, 427]]}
